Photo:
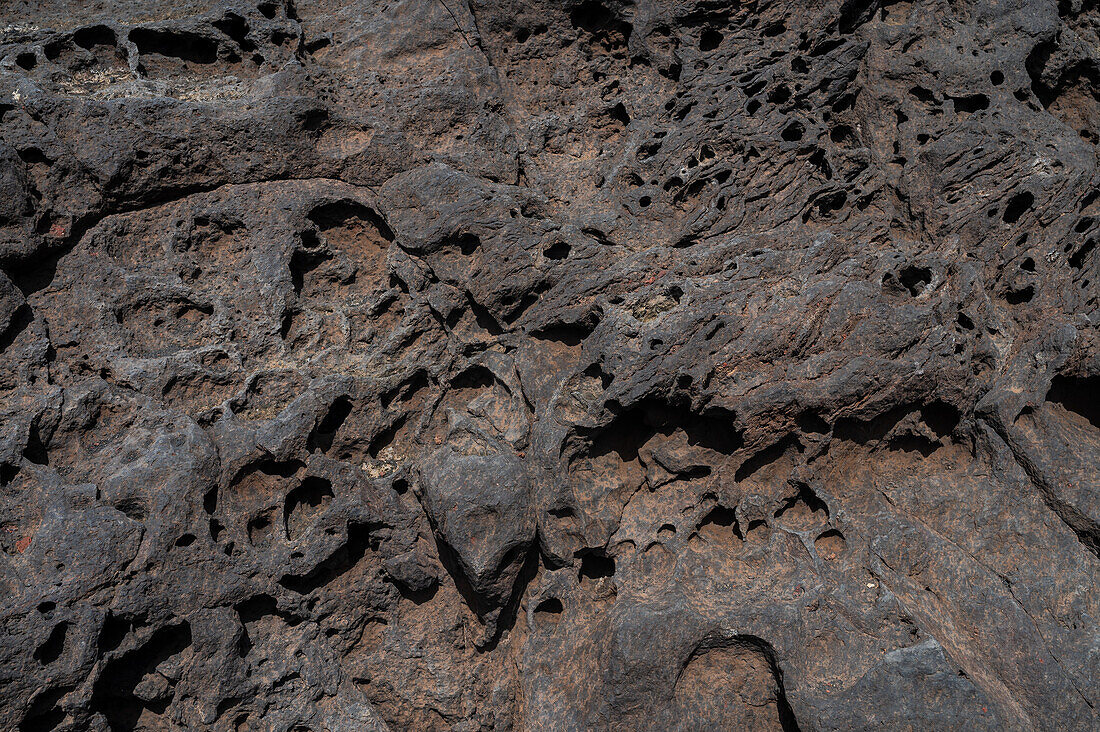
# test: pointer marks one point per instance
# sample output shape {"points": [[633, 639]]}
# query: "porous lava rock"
{"points": [[549, 365]]}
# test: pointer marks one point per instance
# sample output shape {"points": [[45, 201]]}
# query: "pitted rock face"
{"points": [[569, 364]]}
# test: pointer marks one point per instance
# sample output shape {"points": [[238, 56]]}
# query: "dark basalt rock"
{"points": [[581, 364]]}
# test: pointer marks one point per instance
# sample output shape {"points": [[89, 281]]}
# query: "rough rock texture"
{"points": [[561, 364]]}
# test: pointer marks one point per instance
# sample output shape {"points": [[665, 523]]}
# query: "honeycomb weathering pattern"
{"points": [[549, 365]]}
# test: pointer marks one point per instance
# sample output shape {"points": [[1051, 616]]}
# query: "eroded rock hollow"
{"points": [[549, 365]]}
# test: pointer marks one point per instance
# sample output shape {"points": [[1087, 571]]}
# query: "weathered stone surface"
{"points": [[568, 364]]}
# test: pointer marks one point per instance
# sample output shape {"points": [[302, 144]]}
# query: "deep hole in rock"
{"points": [[550, 609], [51, 650], [35, 451], [210, 501], [590, 15], [619, 113], [793, 132], [573, 334], [176, 44], [339, 562], [915, 279], [971, 104], [45, 713], [810, 422], [1077, 259], [236, 28], [632, 427], [942, 417], [1080, 395], [113, 692], [604, 28], [595, 564], [557, 251], [325, 432], [92, 36], [1017, 206], [709, 40], [386, 437], [305, 503], [114, 631], [1020, 296]]}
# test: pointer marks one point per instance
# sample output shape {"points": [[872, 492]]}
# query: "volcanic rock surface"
{"points": [[549, 365]]}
